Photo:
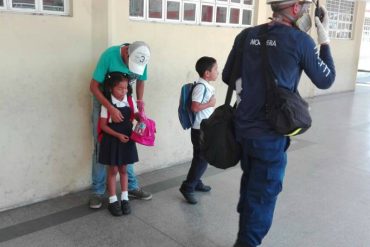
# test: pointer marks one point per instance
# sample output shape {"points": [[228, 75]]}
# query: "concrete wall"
{"points": [[45, 67], [45, 105]]}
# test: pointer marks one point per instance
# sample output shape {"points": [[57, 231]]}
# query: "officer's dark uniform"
{"points": [[290, 51]]}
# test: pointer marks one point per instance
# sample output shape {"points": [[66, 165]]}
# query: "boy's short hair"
{"points": [[203, 64]]}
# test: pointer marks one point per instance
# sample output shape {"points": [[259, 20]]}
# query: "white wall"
{"points": [[45, 142]]}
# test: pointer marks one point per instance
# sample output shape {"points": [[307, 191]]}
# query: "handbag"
{"points": [[286, 111], [217, 133]]}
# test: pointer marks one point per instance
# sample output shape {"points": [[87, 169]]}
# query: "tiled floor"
{"points": [[325, 201]]}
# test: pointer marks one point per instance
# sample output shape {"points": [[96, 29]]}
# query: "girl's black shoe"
{"points": [[125, 206], [115, 209]]}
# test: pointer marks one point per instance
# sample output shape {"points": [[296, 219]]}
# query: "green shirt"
{"points": [[111, 61]]}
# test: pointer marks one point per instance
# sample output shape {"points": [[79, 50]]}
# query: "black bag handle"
{"points": [[236, 66]]}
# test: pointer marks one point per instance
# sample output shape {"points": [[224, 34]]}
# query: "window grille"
{"points": [[341, 17], [203, 12]]}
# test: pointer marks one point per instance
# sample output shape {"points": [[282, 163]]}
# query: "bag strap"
{"points": [[131, 104], [98, 128], [271, 81], [236, 68]]}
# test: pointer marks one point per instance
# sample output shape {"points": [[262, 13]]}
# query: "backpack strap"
{"points": [[131, 104], [99, 130]]}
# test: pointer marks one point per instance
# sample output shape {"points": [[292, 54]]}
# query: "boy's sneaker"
{"points": [[203, 188], [125, 206], [140, 194], [189, 197], [95, 201], [115, 209]]}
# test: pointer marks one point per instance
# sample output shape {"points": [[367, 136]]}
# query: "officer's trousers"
{"points": [[263, 163]]}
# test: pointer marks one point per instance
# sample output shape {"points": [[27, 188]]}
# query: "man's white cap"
{"points": [[138, 57]]}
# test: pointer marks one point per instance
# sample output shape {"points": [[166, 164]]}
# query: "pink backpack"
{"points": [[144, 132]]}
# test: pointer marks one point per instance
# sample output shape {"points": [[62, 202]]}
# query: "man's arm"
{"points": [[139, 90], [114, 112], [140, 95]]}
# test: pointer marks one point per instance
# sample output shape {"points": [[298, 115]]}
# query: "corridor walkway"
{"points": [[325, 201]]}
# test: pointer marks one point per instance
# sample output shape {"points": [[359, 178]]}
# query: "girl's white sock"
{"points": [[124, 195], [113, 199]]}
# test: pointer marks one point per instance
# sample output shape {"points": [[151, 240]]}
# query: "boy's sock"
{"points": [[113, 199], [124, 196]]}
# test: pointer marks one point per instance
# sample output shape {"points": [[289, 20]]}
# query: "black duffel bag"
{"points": [[217, 135], [217, 138]]}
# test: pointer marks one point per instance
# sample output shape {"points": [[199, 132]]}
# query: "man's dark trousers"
{"points": [[263, 163], [198, 165]]}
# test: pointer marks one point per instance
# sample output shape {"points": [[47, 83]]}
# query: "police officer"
{"points": [[290, 50]]}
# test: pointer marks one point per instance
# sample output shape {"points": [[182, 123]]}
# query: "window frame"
{"points": [[206, 23], [164, 3], [144, 12], [166, 12], [196, 19], [241, 6], [39, 8], [340, 20], [222, 5]]}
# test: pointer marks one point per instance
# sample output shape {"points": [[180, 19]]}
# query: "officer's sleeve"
{"points": [[226, 73], [101, 68], [318, 64]]}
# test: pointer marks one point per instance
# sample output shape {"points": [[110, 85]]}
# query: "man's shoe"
{"points": [[189, 197], [125, 206], [115, 209], [140, 194], [203, 188], [95, 201]]}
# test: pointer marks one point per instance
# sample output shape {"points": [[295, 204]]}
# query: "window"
{"points": [[189, 12], [155, 9], [137, 8], [56, 7], [341, 17], [366, 31], [204, 12], [207, 13], [173, 10]]}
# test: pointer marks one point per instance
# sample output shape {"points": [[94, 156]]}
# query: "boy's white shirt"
{"points": [[119, 104], [197, 96]]}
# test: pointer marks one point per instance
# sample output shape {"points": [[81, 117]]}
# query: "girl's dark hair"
{"points": [[203, 64], [112, 79]]}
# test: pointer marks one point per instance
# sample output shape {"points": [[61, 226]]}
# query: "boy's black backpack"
{"points": [[186, 116]]}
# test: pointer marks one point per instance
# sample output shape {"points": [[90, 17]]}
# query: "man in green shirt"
{"points": [[130, 59]]}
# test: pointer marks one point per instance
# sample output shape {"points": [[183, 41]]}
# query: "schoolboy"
{"points": [[203, 102]]}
